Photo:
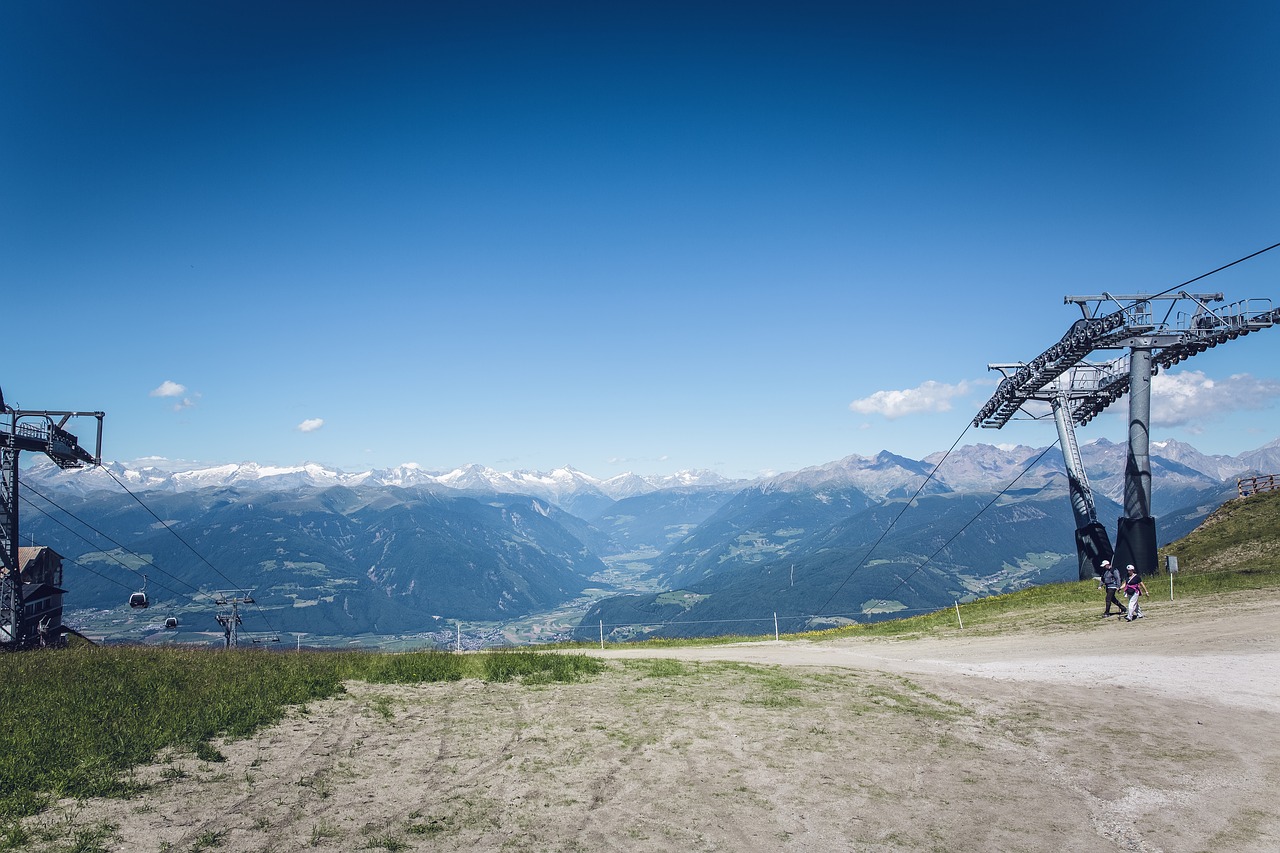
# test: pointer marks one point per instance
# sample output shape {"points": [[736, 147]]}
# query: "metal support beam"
{"points": [[1092, 544], [1136, 531], [1137, 473], [43, 436], [1077, 482], [11, 610]]}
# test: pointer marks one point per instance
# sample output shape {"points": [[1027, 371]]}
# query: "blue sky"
{"points": [[647, 237]]}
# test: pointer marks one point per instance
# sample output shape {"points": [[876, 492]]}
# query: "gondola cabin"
{"points": [[171, 623], [139, 599]]}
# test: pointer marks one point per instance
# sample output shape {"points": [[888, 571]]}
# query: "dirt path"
{"points": [[1091, 735], [1229, 654]]}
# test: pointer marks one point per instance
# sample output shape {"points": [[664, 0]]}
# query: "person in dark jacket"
{"points": [[1111, 580]]}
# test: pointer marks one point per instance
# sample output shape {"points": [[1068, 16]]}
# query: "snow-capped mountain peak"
{"points": [[980, 466]]}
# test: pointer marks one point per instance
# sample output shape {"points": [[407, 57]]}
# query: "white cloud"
{"points": [[310, 425], [1181, 399], [169, 389], [927, 397], [627, 460]]}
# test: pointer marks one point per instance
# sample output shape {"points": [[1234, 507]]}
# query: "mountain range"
{"points": [[969, 468], [408, 551], [560, 486]]}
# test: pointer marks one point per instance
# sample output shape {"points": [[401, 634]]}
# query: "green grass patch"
{"points": [[431, 827], [206, 751], [416, 667], [209, 840], [533, 667], [383, 706], [771, 685], [89, 713], [1240, 535], [662, 667]]}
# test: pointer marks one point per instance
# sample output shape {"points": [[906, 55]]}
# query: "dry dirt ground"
{"points": [[1083, 734]]}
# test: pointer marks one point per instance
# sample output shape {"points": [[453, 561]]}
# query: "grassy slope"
{"points": [[82, 716], [1242, 534]]}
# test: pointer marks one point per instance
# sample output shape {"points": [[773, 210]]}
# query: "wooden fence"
{"points": [[1253, 485]]}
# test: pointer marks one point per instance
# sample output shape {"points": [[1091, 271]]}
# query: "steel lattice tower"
{"points": [[42, 435]]}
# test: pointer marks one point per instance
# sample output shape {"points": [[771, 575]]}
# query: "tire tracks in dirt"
{"points": [[282, 795]]}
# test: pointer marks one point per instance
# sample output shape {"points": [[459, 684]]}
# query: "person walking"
{"points": [[1111, 580], [1134, 587]]}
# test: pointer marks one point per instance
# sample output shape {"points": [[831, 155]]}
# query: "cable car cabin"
{"points": [[171, 623], [139, 599]]}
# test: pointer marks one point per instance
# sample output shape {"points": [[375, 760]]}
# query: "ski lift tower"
{"points": [[229, 602], [228, 614], [36, 431], [1188, 325], [1063, 397]]}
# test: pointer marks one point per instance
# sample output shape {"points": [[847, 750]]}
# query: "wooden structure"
{"points": [[40, 573], [1253, 485]]}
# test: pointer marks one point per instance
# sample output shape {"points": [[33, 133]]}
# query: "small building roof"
{"points": [[27, 555], [33, 591]]}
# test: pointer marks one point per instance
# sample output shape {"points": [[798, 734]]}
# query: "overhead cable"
{"points": [[94, 545], [905, 507], [188, 545], [143, 559], [999, 495]]}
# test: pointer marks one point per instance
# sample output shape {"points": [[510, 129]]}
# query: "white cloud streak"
{"points": [[310, 425], [1189, 397], [929, 396]]}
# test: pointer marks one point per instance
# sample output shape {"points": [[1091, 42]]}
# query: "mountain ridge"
{"points": [[884, 474]]}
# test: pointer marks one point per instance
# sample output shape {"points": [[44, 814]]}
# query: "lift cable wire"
{"points": [[91, 544], [189, 546], [990, 503], [123, 631], [885, 533], [1219, 269], [672, 620], [113, 557], [94, 545], [810, 617], [93, 571]]}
